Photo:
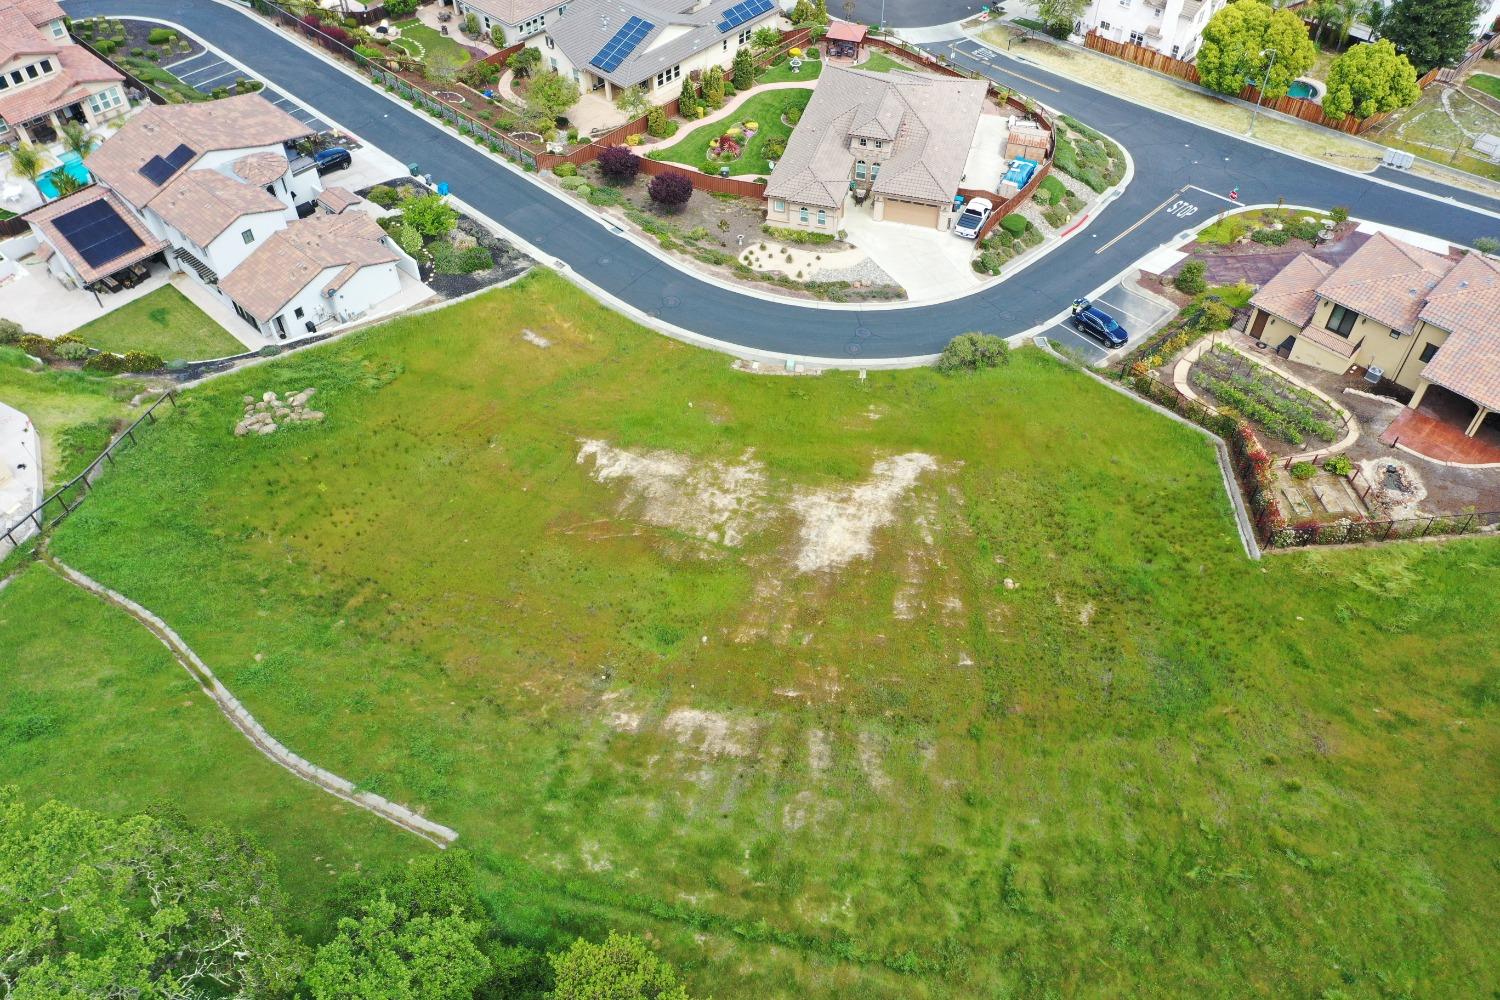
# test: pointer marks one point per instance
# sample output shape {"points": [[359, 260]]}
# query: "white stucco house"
{"points": [[608, 45], [519, 19], [213, 190], [1171, 27]]}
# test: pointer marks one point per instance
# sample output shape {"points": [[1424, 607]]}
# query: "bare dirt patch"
{"points": [[710, 733], [838, 526], [718, 502]]}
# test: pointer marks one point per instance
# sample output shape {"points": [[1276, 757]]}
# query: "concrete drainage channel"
{"points": [[205, 72]]}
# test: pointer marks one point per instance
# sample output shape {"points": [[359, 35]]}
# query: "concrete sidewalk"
{"points": [[20, 472]]}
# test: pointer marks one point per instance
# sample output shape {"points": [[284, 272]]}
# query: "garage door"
{"points": [[911, 213]]}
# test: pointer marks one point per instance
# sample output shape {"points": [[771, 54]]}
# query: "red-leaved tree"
{"points": [[619, 164], [670, 190]]}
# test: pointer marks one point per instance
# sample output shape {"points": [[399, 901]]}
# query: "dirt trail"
{"points": [[237, 714]]}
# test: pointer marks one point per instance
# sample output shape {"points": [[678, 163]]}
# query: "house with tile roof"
{"points": [[900, 140], [45, 80], [216, 191], [609, 45], [1417, 318]]}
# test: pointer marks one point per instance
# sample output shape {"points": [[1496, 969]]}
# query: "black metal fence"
{"points": [[66, 498]]}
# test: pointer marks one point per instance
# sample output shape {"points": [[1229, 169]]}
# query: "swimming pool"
{"points": [[1303, 89], [72, 165]]}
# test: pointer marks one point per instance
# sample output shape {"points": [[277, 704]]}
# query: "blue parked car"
{"points": [[329, 160], [1090, 319]]}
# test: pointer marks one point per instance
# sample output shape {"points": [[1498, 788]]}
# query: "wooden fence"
{"points": [[1296, 107]]}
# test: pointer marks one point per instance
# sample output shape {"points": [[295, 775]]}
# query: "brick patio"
{"points": [[1424, 432]]}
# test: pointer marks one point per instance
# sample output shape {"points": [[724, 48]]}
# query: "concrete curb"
{"points": [[1226, 467], [242, 720]]}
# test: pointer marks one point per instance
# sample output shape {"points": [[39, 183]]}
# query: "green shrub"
{"points": [[1014, 224], [1339, 214], [1190, 280], [35, 345], [385, 196], [475, 258], [142, 361], [1051, 191], [1487, 244], [10, 331], [973, 351], [429, 214], [1305, 229], [1213, 315], [566, 170], [409, 240], [154, 56], [1339, 465], [989, 262], [161, 36], [573, 182], [786, 235], [444, 257], [106, 362], [594, 196], [1271, 237], [659, 125], [1303, 470], [73, 350], [106, 46]]}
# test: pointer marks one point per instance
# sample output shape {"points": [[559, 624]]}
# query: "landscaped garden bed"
{"points": [[1086, 155], [1254, 392], [141, 47], [1269, 230], [736, 146], [457, 255]]}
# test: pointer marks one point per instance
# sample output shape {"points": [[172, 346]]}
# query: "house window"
{"points": [[16, 76], [4, 82], [46, 65], [778, 205], [804, 215], [562, 10], [1341, 321], [1429, 351], [553, 61], [874, 171], [725, 44], [31, 71], [744, 37], [863, 141], [297, 312], [248, 236], [58, 30], [104, 100], [1136, 38], [666, 76], [822, 217], [879, 144], [861, 169], [1103, 25]]}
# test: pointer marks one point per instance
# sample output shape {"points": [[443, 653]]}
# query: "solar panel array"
{"points": [[97, 232], [158, 169], [745, 11], [618, 48]]}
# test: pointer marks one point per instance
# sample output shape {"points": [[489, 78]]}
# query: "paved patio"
{"points": [[1434, 432]]}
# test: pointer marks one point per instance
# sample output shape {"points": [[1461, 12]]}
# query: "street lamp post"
{"points": [[1260, 92]]}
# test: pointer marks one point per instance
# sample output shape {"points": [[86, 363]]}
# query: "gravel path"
{"points": [[240, 716]]}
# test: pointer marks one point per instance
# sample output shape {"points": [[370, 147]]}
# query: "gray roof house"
{"points": [[902, 138], [609, 44]]}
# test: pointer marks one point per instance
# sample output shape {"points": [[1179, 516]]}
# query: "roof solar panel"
{"points": [[97, 232], [618, 48], [156, 170], [742, 12], [180, 156]]}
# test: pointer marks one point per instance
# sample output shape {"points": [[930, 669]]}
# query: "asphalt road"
{"points": [[1181, 172]]}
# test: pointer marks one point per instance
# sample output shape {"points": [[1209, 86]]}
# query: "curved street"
{"points": [[1174, 160]]}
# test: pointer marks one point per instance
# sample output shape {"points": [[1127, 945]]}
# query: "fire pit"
{"points": [[451, 96]]}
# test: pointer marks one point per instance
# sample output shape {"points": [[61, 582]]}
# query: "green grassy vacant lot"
{"points": [[1442, 130], [164, 323], [94, 711], [764, 109], [585, 605], [75, 413]]}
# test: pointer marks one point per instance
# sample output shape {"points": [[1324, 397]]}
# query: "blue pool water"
{"points": [[1300, 89], [72, 164]]}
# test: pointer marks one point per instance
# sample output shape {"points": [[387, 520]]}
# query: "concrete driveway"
{"points": [[1140, 314], [930, 264]]}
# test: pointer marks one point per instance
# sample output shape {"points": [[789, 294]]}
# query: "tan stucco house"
{"points": [[1421, 318], [45, 80], [900, 139]]}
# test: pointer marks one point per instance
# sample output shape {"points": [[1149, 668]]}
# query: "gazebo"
{"points": [[844, 40]]}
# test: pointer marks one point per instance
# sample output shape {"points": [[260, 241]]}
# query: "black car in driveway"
{"points": [[335, 158], [1095, 322]]}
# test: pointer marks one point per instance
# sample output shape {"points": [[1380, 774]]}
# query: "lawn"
{"points": [[781, 71], [1485, 83], [75, 413], [95, 712], [1049, 734], [423, 42], [765, 109], [879, 62], [1442, 130], [164, 323]]}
